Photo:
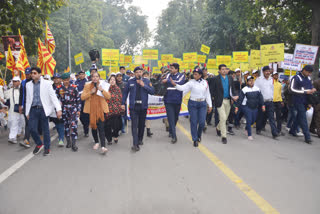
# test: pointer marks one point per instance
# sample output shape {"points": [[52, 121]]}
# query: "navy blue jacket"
{"points": [[125, 78], [131, 88], [298, 86], [173, 95], [250, 97], [80, 84]]}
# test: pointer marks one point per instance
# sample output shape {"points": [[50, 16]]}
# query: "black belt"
{"points": [[37, 107]]}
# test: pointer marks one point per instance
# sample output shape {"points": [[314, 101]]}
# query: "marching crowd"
{"points": [[102, 105]]}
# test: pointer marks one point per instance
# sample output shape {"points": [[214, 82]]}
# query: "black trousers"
{"points": [[138, 118], [100, 129], [278, 111], [112, 126]]}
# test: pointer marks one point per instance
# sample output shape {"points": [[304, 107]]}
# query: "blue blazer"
{"points": [[131, 88]]}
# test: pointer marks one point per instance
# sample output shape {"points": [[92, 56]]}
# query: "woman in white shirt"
{"points": [[199, 99]]}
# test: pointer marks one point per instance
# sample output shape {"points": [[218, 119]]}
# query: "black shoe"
{"points": [[116, 141], [140, 142], [293, 134], [174, 140], [74, 147], [46, 152], [309, 141], [275, 136], [149, 133], [195, 143], [37, 149], [86, 135], [167, 129], [218, 132], [135, 148], [258, 132], [230, 132], [68, 143], [224, 140], [204, 129], [209, 124]]}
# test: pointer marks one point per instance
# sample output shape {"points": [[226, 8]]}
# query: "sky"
{"points": [[152, 9]]}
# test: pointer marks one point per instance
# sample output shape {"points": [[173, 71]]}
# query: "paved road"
{"points": [[163, 178]]}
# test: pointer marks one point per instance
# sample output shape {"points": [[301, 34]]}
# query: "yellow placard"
{"points": [[190, 57], [110, 63], [191, 65], [110, 54], [214, 71], [79, 58], [255, 59], [234, 66], [150, 54], [140, 60], [202, 58], [156, 70], [114, 69], [184, 65], [177, 60], [212, 63], [240, 56], [133, 66], [272, 53], [167, 57], [244, 66], [205, 49], [127, 59], [103, 74], [121, 59], [162, 63], [224, 59]]}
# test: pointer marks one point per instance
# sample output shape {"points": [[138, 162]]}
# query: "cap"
{"points": [[47, 76], [246, 72], [128, 71], [308, 68], [93, 67], [112, 74], [56, 75], [28, 70], [254, 71], [198, 70], [137, 69], [250, 77], [16, 78], [65, 76], [81, 72], [238, 69], [265, 68], [274, 73], [119, 73]]}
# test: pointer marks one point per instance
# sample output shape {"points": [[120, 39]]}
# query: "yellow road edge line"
{"points": [[262, 204]]}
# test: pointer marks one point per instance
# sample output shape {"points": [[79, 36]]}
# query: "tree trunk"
{"points": [[315, 30]]}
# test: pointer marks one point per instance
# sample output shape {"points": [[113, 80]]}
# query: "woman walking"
{"points": [[113, 122], [95, 94], [197, 106]]}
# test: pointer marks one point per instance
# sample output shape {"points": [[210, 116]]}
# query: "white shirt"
{"points": [[199, 90], [265, 86]]}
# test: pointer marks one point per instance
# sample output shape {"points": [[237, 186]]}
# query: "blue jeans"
{"points": [[198, 112], [60, 130], [173, 110], [238, 116], [292, 118], [37, 118], [251, 116], [301, 119], [263, 116]]}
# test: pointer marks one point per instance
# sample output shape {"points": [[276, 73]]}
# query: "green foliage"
{"points": [[29, 16]]}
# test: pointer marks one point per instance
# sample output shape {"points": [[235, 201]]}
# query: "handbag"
{"points": [[15, 106]]}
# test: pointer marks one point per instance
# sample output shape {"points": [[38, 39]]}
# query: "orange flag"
{"points": [[67, 70], [1, 56], [45, 60], [11, 63], [49, 41], [22, 62]]}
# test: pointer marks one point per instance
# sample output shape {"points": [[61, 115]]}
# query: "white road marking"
{"points": [[6, 174]]}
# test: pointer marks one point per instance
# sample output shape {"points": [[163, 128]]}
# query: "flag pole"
{"points": [[69, 48]]}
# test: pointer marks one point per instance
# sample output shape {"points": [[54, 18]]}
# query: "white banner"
{"points": [[305, 54], [288, 63]]}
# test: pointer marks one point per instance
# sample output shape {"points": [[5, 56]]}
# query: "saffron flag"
{"points": [[22, 62], [45, 60], [11, 63], [1, 56], [49, 41], [67, 70]]}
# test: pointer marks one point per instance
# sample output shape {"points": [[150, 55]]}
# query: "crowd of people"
{"points": [[232, 98]]}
